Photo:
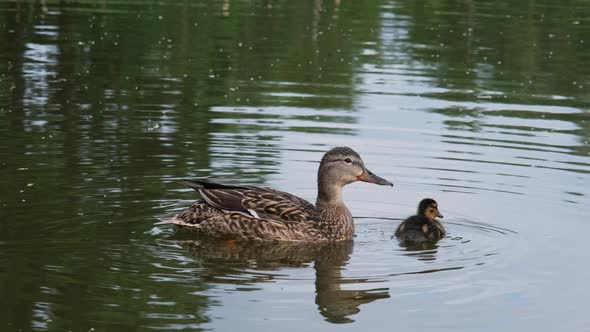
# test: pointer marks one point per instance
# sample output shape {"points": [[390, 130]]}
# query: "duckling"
{"points": [[423, 226]]}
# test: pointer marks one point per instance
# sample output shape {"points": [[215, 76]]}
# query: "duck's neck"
{"points": [[329, 194], [335, 219]]}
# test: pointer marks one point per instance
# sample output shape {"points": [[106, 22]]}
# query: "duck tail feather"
{"points": [[198, 185]]}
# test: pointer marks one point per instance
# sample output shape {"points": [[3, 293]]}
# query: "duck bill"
{"points": [[368, 176]]}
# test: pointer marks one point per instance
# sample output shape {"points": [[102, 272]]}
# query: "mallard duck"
{"points": [[423, 226], [254, 213]]}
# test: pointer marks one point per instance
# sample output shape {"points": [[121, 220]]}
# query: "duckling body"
{"points": [[255, 213], [424, 226]]}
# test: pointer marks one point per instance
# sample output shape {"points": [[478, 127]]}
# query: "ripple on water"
{"points": [[469, 247], [345, 276]]}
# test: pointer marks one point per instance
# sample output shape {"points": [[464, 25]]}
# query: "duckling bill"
{"points": [[423, 226], [254, 213]]}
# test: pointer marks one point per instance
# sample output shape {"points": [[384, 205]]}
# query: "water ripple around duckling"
{"points": [[470, 247], [343, 276]]}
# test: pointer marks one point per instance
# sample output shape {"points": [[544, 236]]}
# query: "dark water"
{"points": [[105, 105]]}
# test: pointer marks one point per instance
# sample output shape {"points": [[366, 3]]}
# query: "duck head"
{"points": [[339, 167], [428, 208], [343, 165]]}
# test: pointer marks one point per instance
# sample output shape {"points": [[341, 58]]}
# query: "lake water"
{"points": [[106, 105]]}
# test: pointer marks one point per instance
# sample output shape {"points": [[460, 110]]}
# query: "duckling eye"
{"points": [[348, 160]]}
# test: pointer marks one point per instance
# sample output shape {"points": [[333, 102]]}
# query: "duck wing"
{"points": [[258, 202]]}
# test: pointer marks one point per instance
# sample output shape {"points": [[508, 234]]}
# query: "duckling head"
{"points": [[428, 208]]}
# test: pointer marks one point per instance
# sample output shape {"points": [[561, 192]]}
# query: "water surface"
{"points": [[105, 106]]}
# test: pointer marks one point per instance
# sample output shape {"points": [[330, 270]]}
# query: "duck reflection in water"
{"points": [[224, 259], [337, 304]]}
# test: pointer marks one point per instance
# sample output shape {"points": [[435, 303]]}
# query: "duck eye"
{"points": [[348, 160]]}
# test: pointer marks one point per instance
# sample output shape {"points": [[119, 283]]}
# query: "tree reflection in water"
{"points": [[223, 260]]}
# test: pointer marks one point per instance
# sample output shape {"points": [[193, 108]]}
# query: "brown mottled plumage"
{"points": [[423, 226], [254, 213]]}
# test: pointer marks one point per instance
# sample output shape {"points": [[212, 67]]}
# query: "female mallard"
{"points": [[253, 213], [423, 226]]}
